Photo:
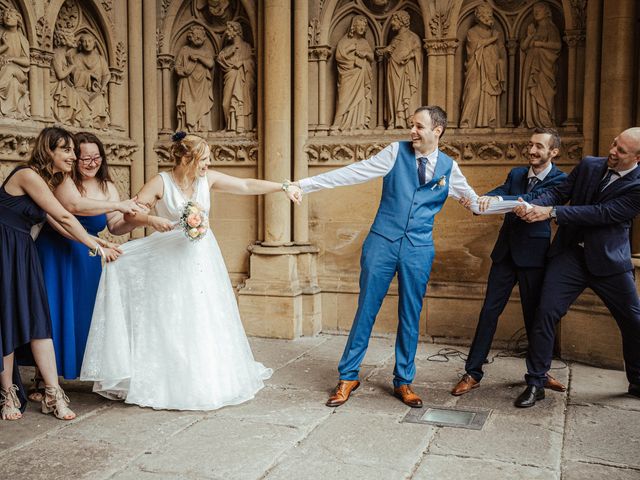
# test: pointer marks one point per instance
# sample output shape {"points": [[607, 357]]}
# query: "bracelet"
{"points": [[286, 185], [94, 252]]}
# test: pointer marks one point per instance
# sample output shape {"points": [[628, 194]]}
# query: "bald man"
{"points": [[590, 250]]}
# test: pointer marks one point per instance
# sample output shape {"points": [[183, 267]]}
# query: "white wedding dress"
{"points": [[166, 331]]}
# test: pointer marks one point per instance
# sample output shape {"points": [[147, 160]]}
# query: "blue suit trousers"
{"points": [[381, 259]]}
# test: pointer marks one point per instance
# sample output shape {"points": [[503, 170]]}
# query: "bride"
{"points": [[166, 332]]}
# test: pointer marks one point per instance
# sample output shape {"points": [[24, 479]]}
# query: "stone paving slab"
{"points": [[445, 467], [287, 432]]}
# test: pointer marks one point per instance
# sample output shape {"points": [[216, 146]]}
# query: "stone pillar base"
{"points": [[281, 297]]}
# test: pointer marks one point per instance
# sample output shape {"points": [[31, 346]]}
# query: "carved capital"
{"points": [[440, 47], [117, 75], [574, 38], [41, 58], [166, 61], [319, 53]]}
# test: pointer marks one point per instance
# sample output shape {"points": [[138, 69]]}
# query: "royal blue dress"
{"points": [[24, 311], [71, 278]]}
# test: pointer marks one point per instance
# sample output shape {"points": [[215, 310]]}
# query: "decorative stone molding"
{"points": [[44, 33], [439, 23], [574, 38], [342, 154], [319, 53], [578, 12], [121, 56], [314, 32], [120, 153], [15, 147], [159, 40], [240, 153], [440, 47], [40, 58], [166, 61]]}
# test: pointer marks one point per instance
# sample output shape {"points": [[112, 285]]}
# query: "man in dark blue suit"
{"points": [[518, 255], [591, 249]]}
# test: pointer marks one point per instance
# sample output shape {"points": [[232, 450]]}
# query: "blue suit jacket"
{"points": [[526, 242], [602, 220]]}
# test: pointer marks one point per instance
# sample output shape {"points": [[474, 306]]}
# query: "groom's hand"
{"points": [[295, 194], [484, 202]]}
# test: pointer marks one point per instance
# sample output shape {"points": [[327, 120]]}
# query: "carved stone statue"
{"points": [[215, 8], [91, 76], [541, 49], [404, 72], [14, 68], [236, 61], [354, 56], [66, 104], [194, 65], [485, 72]]}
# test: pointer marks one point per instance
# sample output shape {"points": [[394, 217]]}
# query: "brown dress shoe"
{"points": [[408, 396], [341, 392], [554, 384], [465, 385]]}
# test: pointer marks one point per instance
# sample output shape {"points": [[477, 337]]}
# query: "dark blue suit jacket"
{"points": [[526, 242], [602, 220]]}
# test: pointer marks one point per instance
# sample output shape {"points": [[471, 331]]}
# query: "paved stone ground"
{"points": [[286, 432]]}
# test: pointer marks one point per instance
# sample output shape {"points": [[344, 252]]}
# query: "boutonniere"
{"points": [[442, 181]]}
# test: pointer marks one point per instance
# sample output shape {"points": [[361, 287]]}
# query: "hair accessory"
{"points": [[176, 137]]}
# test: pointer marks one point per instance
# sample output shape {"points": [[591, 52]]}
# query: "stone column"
{"points": [[39, 84], [281, 297], [320, 54], [150, 92], [437, 71], [165, 64], [512, 48], [573, 39], [616, 74], [592, 56], [136, 103], [452, 111]]}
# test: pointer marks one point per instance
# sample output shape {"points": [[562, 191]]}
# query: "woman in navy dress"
{"points": [[71, 277], [26, 199]]}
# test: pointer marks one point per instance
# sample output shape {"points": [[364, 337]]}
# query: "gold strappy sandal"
{"points": [[10, 404], [55, 401]]}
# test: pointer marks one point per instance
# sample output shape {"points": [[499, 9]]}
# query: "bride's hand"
{"points": [[107, 244], [161, 224], [294, 193]]}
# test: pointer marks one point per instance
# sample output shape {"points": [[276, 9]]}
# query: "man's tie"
{"points": [[532, 183], [604, 183], [422, 170]]}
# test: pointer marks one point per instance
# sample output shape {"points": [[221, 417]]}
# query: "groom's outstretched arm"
{"points": [[359, 172]]}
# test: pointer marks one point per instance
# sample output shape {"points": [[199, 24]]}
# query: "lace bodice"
{"points": [[173, 200]]}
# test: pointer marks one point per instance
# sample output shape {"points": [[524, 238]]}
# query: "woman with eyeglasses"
{"points": [[26, 199], [71, 277]]}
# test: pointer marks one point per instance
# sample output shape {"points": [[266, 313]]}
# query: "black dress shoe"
{"points": [[634, 389], [530, 396]]}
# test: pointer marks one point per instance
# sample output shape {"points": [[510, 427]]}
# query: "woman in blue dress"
{"points": [[70, 276], [26, 199]]}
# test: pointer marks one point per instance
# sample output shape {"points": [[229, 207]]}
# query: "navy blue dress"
{"points": [[71, 279], [24, 311]]}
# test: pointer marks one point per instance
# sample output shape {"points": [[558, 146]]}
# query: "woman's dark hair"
{"points": [[102, 175], [41, 160]]}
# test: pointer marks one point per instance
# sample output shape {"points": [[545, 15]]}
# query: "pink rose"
{"points": [[193, 220], [201, 230]]}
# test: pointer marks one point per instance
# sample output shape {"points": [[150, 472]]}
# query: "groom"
{"points": [[418, 178]]}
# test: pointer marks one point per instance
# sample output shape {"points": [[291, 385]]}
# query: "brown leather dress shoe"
{"points": [[408, 396], [465, 385], [341, 392], [554, 384]]}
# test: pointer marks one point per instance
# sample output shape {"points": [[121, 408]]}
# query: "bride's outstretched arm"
{"points": [[251, 186]]}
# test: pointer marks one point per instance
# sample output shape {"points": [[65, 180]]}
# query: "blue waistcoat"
{"points": [[406, 208]]}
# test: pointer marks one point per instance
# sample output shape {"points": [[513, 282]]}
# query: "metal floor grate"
{"points": [[448, 417]]}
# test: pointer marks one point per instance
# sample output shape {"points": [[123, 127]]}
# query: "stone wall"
{"points": [[286, 89]]}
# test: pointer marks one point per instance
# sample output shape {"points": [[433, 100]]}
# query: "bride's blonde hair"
{"points": [[190, 148]]}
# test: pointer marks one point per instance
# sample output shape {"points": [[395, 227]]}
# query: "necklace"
{"points": [[183, 189]]}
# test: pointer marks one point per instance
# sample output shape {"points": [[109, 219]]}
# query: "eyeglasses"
{"points": [[89, 160]]}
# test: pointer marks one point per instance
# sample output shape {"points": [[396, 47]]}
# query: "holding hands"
{"points": [[293, 191], [132, 206], [534, 213]]}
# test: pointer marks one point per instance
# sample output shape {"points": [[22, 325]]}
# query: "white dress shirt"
{"points": [[542, 175], [378, 166]]}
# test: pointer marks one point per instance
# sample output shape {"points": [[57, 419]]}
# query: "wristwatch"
{"points": [[552, 213]]}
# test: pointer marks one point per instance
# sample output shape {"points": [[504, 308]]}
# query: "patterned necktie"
{"points": [[422, 170], [604, 183], [532, 183]]}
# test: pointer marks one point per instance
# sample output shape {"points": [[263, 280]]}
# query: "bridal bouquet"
{"points": [[194, 221]]}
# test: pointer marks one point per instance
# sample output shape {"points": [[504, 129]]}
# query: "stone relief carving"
{"points": [[341, 154], [485, 72], [439, 23], [404, 72], [15, 146], [90, 78], [238, 66], [194, 65], [243, 153], [578, 8], [541, 49], [14, 67], [216, 9], [66, 103], [354, 57], [43, 32]]}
